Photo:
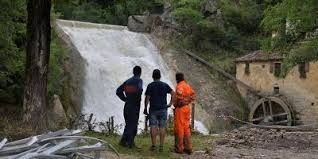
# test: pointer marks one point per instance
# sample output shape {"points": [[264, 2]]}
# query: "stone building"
{"points": [[298, 90]]}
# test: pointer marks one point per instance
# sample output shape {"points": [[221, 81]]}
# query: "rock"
{"points": [[222, 142], [143, 23], [57, 117], [138, 23], [240, 136], [199, 152], [241, 141], [58, 107], [210, 6]]}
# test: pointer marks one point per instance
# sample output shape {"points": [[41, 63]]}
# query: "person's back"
{"points": [[158, 91], [130, 92], [133, 90], [183, 97], [156, 94], [184, 93]]}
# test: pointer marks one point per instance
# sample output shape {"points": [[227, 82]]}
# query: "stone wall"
{"points": [[302, 93]]}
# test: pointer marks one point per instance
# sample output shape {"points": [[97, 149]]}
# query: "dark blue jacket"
{"points": [[130, 91]]}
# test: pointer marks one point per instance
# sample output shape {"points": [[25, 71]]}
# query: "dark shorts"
{"points": [[158, 118]]}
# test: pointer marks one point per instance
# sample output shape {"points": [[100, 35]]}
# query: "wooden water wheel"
{"points": [[271, 111]]}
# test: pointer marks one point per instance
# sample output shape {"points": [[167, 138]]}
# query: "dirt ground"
{"points": [[253, 143]]}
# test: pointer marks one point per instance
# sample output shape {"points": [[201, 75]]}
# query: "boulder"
{"points": [[213, 13], [210, 6], [143, 23], [58, 107], [138, 23], [56, 115]]}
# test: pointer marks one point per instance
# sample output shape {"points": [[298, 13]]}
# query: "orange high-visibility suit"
{"points": [[183, 97]]}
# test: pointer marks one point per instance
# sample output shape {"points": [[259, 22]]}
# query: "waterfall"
{"points": [[111, 52]]}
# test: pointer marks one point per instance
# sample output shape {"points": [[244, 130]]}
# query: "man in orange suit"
{"points": [[183, 97]]}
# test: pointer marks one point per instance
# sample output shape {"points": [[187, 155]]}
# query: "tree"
{"points": [[37, 61], [293, 20]]}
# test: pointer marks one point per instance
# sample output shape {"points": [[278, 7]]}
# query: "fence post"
{"points": [[112, 124], [192, 116], [89, 124], [146, 123]]}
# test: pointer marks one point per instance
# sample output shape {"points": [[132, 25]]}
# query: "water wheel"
{"points": [[271, 111]]}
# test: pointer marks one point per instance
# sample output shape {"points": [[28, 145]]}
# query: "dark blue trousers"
{"points": [[131, 115]]}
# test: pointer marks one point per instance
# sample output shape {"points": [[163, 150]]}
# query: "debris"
{"points": [[309, 127], [3, 142], [62, 144], [268, 139]]}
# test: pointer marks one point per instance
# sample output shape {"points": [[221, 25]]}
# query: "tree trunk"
{"points": [[37, 61]]}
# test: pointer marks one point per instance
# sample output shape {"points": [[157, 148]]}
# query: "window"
{"points": [[303, 68], [247, 68], [277, 69]]}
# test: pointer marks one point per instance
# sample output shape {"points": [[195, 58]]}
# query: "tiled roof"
{"points": [[259, 56]]}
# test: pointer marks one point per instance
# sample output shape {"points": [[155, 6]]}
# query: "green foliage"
{"points": [[12, 54], [102, 11], [199, 142], [291, 19], [233, 31], [275, 19], [12, 41], [193, 4], [56, 72], [187, 17], [212, 34], [245, 17], [306, 52]]}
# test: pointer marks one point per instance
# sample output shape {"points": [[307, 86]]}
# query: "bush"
{"points": [[246, 17], [109, 12], [56, 72], [304, 53], [291, 19], [12, 43], [192, 4], [187, 17]]}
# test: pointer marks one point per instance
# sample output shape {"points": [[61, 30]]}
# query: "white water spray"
{"points": [[111, 52]]}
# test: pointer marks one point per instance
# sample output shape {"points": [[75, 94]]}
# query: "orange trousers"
{"points": [[182, 132]]}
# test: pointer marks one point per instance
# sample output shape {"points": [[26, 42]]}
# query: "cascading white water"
{"points": [[111, 52]]}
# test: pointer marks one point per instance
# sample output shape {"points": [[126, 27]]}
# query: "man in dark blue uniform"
{"points": [[130, 92], [156, 93]]}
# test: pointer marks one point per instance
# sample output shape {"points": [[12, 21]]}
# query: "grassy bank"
{"points": [[200, 142]]}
